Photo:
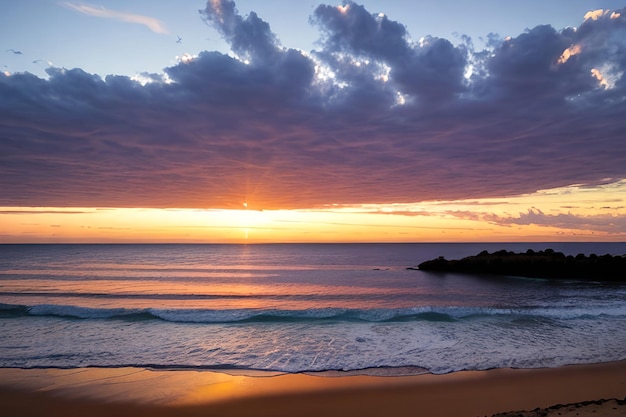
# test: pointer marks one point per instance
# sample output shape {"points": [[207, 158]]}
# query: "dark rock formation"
{"points": [[542, 264]]}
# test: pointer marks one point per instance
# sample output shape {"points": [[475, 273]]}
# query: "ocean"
{"points": [[291, 308]]}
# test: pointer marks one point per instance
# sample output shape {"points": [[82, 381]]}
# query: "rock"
{"points": [[541, 264]]}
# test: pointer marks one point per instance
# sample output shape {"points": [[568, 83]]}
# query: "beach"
{"points": [[140, 391]]}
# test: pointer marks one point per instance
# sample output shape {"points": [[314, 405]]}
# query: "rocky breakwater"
{"points": [[535, 264]]}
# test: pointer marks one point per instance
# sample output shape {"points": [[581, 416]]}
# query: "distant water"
{"points": [[297, 308]]}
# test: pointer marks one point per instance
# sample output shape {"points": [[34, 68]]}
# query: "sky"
{"points": [[283, 121]]}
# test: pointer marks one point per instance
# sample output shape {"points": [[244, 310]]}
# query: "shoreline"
{"points": [[164, 393]]}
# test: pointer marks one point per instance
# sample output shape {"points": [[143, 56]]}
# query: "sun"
{"points": [[248, 219]]}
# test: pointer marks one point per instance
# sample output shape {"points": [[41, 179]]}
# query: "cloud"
{"points": [[41, 212], [371, 116], [597, 223], [384, 226], [250, 37], [605, 223], [595, 14], [431, 70], [151, 23]]}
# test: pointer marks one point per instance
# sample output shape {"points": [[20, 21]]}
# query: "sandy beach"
{"points": [[136, 391]]}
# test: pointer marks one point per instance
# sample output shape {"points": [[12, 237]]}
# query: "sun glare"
{"points": [[251, 218]]}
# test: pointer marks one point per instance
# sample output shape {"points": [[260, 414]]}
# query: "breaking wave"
{"points": [[209, 316]]}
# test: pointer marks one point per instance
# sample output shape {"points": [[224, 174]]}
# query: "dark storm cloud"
{"points": [[373, 116]]}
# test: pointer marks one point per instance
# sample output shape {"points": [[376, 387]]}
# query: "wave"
{"points": [[208, 316]]}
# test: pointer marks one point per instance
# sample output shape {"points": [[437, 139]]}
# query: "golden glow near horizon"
{"points": [[574, 213]]}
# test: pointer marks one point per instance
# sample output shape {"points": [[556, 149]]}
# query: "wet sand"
{"points": [[157, 393]]}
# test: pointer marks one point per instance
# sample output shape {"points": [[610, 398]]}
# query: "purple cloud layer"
{"points": [[398, 121]]}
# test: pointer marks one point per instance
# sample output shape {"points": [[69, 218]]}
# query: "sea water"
{"points": [[297, 308]]}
